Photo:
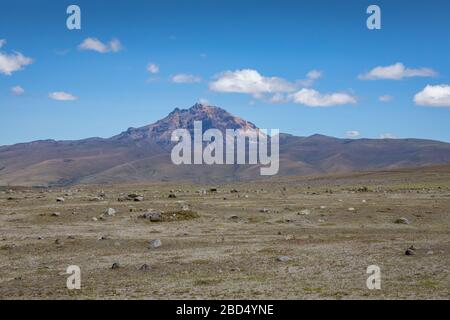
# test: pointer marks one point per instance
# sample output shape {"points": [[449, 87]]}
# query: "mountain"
{"points": [[143, 154]]}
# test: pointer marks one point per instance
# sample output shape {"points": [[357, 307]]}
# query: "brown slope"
{"points": [[143, 154]]}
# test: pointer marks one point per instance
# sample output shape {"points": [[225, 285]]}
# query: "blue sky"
{"points": [[250, 57]]}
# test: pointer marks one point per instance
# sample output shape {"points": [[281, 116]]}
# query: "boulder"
{"points": [[283, 259], [110, 212], [401, 221], [156, 243]]}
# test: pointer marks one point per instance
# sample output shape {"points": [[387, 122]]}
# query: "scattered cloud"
{"points": [[203, 55], [396, 71], [93, 44], [313, 98], [249, 81], [62, 52], [434, 96], [17, 90], [278, 98], [115, 45], [385, 98], [387, 136], [203, 101], [185, 78], [62, 96], [13, 62], [311, 77], [352, 134], [153, 68]]}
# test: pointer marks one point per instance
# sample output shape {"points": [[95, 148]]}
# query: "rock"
{"points": [[110, 212], [213, 190], [283, 259], [56, 214], [430, 252], [152, 216], [96, 198], [351, 209], [115, 265], [70, 237], [401, 221], [234, 191], [410, 251], [61, 199], [59, 242], [323, 207], [40, 238], [94, 219], [185, 208], [234, 217], [104, 238], [144, 267], [264, 210], [156, 243], [135, 197], [172, 196], [304, 212]]}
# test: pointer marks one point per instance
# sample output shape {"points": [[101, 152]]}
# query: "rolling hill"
{"points": [[143, 154]]}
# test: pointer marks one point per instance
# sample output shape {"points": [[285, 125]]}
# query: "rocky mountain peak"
{"points": [[210, 116]]}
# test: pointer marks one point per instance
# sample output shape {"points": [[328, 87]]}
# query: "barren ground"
{"points": [[226, 246]]}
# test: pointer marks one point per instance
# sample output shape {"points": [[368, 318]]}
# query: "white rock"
{"points": [[156, 243], [110, 212], [304, 212]]}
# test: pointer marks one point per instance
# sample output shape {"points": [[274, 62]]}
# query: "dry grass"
{"points": [[225, 246]]}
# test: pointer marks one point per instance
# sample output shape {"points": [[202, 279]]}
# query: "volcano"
{"points": [[143, 154]]}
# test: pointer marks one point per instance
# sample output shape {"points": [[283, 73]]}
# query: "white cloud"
{"points": [[115, 45], [94, 44], [434, 96], [249, 81], [387, 136], [278, 98], [385, 98], [311, 77], [13, 62], [185, 78], [396, 71], [152, 68], [352, 134], [17, 91], [203, 101], [313, 98], [62, 96]]}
